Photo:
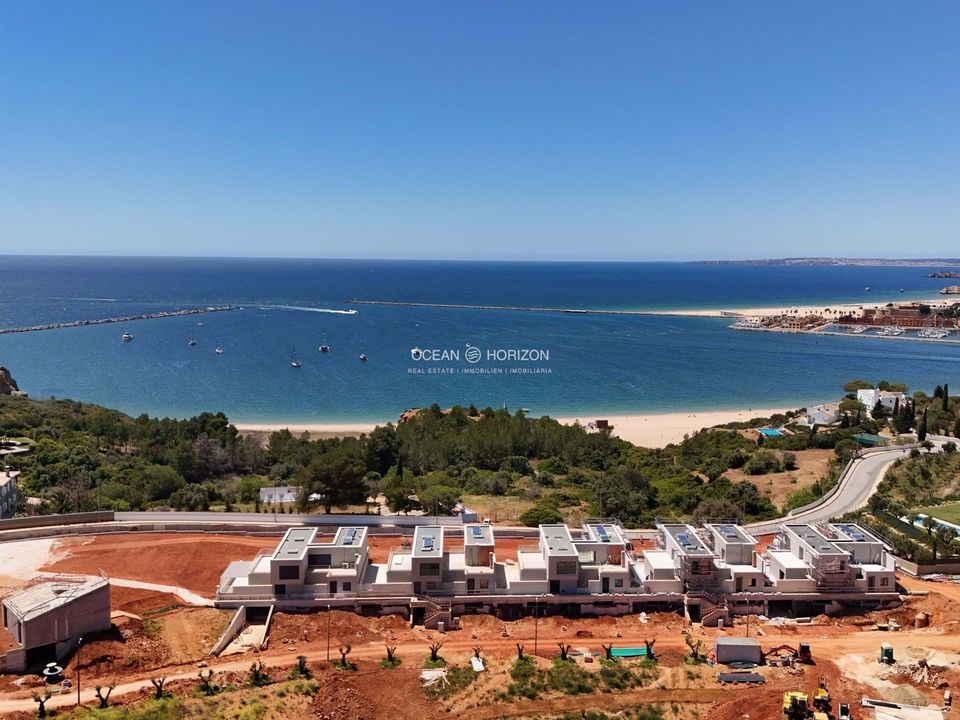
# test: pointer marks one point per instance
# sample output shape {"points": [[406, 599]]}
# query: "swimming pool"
{"points": [[769, 432]]}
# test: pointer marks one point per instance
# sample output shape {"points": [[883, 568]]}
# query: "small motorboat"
{"points": [[324, 348], [363, 357], [126, 337]]}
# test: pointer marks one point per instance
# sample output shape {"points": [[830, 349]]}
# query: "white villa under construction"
{"points": [[710, 573]]}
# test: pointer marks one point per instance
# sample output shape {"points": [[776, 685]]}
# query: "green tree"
{"points": [[922, 427], [543, 513], [879, 411], [854, 385], [337, 475], [946, 398]]}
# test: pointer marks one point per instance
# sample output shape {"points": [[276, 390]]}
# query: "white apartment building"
{"points": [[709, 572], [869, 398]]}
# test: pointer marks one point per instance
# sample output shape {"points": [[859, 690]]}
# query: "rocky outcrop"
{"points": [[8, 386], [944, 274], [951, 290]]}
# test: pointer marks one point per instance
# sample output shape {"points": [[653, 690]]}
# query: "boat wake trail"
{"points": [[303, 308]]}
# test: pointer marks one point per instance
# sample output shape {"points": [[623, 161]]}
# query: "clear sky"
{"points": [[488, 130]]}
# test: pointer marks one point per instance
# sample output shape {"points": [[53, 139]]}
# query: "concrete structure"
{"points": [[46, 619], [710, 573], [282, 494], [825, 414], [737, 649], [9, 492]]}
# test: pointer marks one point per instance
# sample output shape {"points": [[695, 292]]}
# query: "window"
{"points": [[346, 586], [280, 589], [319, 560], [289, 572], [884, 582], [431, 585], [618, 582], [429, 569], [566, 567], [753, 582], [484, 584]]}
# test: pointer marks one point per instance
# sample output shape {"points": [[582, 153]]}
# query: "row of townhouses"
{"points": [[710, 572]]}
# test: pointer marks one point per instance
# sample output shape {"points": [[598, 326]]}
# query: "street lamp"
{"points": [[328, 633], [79, 643]]}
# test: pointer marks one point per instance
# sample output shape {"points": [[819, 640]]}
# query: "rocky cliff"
{"points": [[951, 290], [8, 386]]}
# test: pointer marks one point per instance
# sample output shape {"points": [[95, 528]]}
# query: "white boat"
{"points": [[193, 341], [857, 329], [867, 289], [219, 349], [126, 337], [363, 357], [892, 331], [293, 359], [747, 324], [324, 348]]}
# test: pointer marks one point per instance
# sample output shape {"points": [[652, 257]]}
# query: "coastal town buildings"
{"points": [[710, 572]]}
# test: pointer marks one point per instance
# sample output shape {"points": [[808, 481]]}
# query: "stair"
{"points": [[437, 610], [713, 608]]}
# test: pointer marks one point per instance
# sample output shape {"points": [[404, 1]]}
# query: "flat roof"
{"points": [[36, 600], [557, 540], [294, 543], [733, 534], [737, 641], [852, 533], [659, 560], [787, 559], [428, 541], [478, 534], [350, 537], [814, 540], [606, 533], [687, 540]]}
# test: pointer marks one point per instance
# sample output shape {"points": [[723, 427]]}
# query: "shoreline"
{"points": [[652, 430], [818, 309]]}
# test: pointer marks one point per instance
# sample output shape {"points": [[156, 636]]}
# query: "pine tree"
{"points": [[946, 398], [922, 428]]}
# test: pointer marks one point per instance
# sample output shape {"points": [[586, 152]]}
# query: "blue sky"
{"points": [[488, 130]]}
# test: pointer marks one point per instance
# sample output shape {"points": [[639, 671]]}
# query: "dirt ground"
{"points": [[191, 561], [379, 547], [811, 466]]}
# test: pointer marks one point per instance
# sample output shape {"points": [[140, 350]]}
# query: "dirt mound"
{"points": [[362, 696], [138, 602], [345, 628]]}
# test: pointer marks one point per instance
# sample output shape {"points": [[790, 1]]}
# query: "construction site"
{"points": [[858, 651]]}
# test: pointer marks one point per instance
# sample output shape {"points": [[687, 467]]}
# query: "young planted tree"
{"points": [[391, 654], [206, 686], [41, 701], [344, 650], [695, 647], [301, 671], [476, 652], [519, 651], [103, 699], [258, 675], [158, 687], [564, 651], [435, 651], [648, 644], [608, 651]]}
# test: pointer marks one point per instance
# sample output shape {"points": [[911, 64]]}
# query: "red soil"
{"points": [[192, 561]]}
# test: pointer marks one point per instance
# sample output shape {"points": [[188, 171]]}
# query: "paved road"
{"points": [[854, 490]]}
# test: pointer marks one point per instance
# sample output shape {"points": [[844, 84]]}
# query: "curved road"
{"points": [[855, 488]]}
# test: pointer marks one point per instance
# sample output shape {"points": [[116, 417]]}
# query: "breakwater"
{"points": [[521, 308], [121, 318]]}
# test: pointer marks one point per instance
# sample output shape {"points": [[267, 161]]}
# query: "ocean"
{"points": [[548, 363]]}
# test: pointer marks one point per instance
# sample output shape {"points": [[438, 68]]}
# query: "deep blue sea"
{"points": [[596, 364]]}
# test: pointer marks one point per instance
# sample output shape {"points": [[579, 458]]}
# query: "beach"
{"points": [[655, 430]]}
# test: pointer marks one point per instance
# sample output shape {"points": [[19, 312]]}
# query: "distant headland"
{"points": [[868, 262]]}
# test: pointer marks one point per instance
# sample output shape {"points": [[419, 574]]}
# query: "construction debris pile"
{"points": [[921, 673]]}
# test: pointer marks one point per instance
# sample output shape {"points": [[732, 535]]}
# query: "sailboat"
{"points": [[219, 348], [293, 359], [126, 337], [363, 357], [193, 341]]}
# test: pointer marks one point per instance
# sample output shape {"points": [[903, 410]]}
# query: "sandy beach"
{"points": [[649, 430], [837, 309]]}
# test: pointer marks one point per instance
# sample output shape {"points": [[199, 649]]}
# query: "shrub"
{"points": [[762, 462]]}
